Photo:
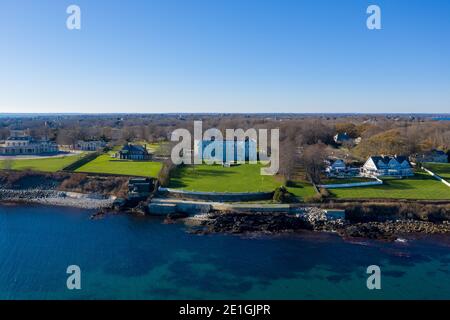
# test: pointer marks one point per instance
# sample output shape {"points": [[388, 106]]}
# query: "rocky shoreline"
{"points": [[312, 219], [54, 198], [392, 230], [309, 218]]}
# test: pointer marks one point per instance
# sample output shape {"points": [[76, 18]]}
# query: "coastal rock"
{"points": [[52, 197], [391, 230], [311, 219], [237, 223], [141, 208], [177, 215]]}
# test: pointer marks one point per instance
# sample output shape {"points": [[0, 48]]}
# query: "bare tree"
{"points": [[313, 160], [288, 159]]}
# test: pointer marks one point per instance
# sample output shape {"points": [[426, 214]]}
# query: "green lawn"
{"points": [[105, 164], [421, 186], [441, 169], [216, 178], [302, 190], [46, 164]]}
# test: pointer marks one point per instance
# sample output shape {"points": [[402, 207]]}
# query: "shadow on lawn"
{"points": [[296, 184], [394, 184]]}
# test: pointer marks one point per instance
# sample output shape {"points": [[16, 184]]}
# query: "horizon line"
{"points": [[228, 113]]}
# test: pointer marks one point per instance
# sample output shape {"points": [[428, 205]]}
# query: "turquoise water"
{"points": [[124, 257]]}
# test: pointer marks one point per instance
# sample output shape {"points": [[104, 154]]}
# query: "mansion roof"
{"points": [[389, 161]]}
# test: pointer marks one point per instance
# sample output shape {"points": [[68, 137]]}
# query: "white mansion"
{"points": [[20, 143], [398, 166], [89, 145]]}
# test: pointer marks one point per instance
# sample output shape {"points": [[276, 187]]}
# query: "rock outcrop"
{"points": [[251, 222], [53, 197], [311, 219]]}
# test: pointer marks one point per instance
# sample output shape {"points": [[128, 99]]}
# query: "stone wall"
{"points": [[351, 185], [216, 196]]}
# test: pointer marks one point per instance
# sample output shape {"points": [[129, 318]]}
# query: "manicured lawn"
{"points": [[302, 190], [46, 164], [421, 186], [216, 178], [441, 169], [105, 164]]}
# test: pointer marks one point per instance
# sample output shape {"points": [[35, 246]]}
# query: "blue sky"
{"points": [[225, 56]]}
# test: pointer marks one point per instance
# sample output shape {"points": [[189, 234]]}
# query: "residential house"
{"points": [[431, 156], [398, 166], [339, 169], [341, 138], [216, 150], [133, 152], [90, 145], [19, 143]]}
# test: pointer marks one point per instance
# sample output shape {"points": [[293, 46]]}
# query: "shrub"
{"points": [[75, 181], [325, 193], [282, 195], [317, 198], [80, 182]]}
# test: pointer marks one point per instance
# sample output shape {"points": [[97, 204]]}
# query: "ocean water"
{"points": [[125, 257]]}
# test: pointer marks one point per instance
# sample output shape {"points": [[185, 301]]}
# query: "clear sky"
{"points": [[225, 56]]}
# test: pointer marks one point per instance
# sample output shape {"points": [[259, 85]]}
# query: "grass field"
{"points": [[421, 186], [302, 190], [441, 169], [105, 164], [46, 164], [215, 178]]}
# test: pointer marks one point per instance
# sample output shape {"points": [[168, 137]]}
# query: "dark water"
{"points": [[124, 257]]}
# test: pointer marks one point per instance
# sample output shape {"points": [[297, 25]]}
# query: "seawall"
{"points": [[165, 206], [215, 196]]}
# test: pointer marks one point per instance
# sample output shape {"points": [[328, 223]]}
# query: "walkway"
{"points": [[437, 177]]}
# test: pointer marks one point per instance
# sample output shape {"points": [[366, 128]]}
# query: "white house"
{"points": [[341, 138], [338, 168], [90, 145], [216, 150], [19, 143], [398, 166]]}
